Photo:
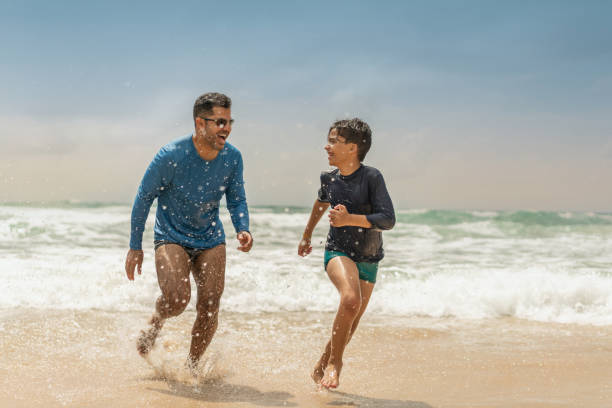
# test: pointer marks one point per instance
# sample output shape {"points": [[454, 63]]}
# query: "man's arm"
{"points": [[157, 176], [235, 198], [319, 207]]}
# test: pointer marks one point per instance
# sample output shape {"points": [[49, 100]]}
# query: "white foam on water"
{"points": [[73, 258]]}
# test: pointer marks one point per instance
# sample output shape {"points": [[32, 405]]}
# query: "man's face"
{"points": [[215, 127], [338, 151]]}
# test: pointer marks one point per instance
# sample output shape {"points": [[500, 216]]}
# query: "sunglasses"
{"points": [[221, 123]]}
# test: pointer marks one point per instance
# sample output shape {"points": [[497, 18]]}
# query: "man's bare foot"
{"points": [[331, 376], [147, 337], [192, 367]]}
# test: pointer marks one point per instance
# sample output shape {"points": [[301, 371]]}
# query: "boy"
{"points": [[360, 209]]}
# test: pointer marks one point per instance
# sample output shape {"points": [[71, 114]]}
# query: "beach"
{"points": [[88, 359], [470, 309]]}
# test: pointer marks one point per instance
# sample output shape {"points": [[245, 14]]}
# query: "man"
{"points": [[189, 176]]}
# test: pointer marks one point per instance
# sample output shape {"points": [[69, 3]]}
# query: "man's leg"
{"points": [[172, 264], [344, 275], [366, 291], [209, 275]]}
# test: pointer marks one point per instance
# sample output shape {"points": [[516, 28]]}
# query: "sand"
{"points": [[88, 359]]}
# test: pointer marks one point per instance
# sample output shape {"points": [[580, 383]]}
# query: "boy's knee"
{"points": [[351, 302]]}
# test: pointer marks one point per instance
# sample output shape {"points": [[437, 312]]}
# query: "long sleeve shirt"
{"points": [[188, 191], [362, 192]]}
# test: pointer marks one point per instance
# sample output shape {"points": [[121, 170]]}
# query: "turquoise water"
{"points": [[535, 265]]}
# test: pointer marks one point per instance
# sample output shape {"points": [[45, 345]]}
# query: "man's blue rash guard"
{"points": [[188, 191], [362, 192]]}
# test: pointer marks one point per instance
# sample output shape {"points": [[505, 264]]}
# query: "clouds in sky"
{"points": [[473, 105]]}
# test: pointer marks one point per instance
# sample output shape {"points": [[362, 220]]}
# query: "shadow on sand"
{"points": [[219, 391], [352, 400]]}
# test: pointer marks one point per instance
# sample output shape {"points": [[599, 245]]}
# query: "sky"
{"points": [[474, 105]]}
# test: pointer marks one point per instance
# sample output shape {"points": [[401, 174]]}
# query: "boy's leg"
{"points": [[209, 274], [172, 264], [344, 275], [366, 292]]}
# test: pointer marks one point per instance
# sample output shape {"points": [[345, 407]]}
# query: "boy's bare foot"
{"points": [[318, 372], [147, 337], [331, 376]]}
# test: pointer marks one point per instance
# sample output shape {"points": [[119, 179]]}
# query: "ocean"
{"points": [[462, 265]]}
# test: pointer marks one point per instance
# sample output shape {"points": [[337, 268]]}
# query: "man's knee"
{"points": [[210, 302], [175, 303]]}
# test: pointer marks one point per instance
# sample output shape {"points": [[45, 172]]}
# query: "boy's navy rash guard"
{"points": [[188, 191], [362, 192]]}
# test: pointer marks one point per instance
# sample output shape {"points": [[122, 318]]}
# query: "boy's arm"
{"points": [[340, 217], [319, 207], [382, 216]]}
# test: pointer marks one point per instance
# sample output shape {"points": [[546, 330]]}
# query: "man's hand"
{"points": [[246, 241], [304, 247], [339, 216], [132, 260]]}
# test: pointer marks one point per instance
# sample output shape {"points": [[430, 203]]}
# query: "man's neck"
{"points": [[206, 152]]}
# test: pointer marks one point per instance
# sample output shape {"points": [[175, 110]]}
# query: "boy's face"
{"points": [[338, 150]]}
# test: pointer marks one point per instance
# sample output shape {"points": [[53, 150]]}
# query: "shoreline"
{"points": [[88, 359]]}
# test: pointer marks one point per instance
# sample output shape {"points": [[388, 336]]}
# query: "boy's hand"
{"points": [[304, 247], [339, 216]]}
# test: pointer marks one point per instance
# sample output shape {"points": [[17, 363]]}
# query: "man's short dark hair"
{"points": [[205, 103], [355, 131]]}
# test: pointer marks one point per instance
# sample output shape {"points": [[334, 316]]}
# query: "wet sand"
{"points": [[88, 359]]}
